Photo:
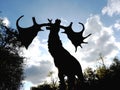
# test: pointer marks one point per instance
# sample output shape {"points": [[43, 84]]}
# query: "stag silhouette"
{"points": [[67, 65]]}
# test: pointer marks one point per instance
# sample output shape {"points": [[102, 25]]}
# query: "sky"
{"points": [[100, 17]]}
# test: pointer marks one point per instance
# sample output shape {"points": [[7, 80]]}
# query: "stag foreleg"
{"points": [[71, 82], [62, 82]]}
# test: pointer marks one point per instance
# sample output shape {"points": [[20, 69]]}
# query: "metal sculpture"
{"points": [[63, 60]]}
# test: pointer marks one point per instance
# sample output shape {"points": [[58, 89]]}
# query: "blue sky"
{"points": [[101, 18]]}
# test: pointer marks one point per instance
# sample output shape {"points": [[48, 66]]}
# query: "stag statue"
{"points": [[66, 64]]}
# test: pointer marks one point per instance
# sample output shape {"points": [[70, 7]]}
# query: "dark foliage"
{"points": [[106, 78], [43, 87], [100, 79], [11, 70], [11, 64]]}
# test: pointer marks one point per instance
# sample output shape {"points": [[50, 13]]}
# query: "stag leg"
{"points": [[62, 82], [81, 81], [71, 82]]}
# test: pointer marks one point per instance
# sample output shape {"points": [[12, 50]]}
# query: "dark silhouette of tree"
{"points": [[114, 73], [101, 78], [105, 77], [11, 64], [42, 87], [90, 75], [54, 83]]}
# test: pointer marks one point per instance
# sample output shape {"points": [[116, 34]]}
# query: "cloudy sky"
{"points": [[100, 17]]}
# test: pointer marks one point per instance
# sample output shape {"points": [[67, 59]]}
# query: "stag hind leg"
{"points": [[79, 74], [71, 82], [81, 78], [62, 85], [81, 81]]}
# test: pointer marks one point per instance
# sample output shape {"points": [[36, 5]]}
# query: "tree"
{"points": [[89, 74], [11, 64], [43, 87], [54, 83]]}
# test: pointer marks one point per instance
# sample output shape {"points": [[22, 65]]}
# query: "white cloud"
{"points": [[26, 85], [38, 74], [38, 61], [113, 7], [102, 41], [6, 21], [36, 52], [64, 22], [117, 25]]}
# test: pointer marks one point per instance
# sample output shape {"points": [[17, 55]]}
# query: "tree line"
{"points": [[100, 78], [11, 63]]}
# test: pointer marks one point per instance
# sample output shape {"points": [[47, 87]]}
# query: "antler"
{"points": [[26, 35], [50, 20], [35, 25], [76, 37], [82, 33]]}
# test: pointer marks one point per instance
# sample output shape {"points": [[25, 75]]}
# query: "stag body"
{"points": [[67, 65]]}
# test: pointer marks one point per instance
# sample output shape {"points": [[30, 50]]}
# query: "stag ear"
{"points": [[50, 21]]}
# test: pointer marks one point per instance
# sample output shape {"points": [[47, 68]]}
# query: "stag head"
{"points": [[54, 27], [76, 37], [26, 35]]}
